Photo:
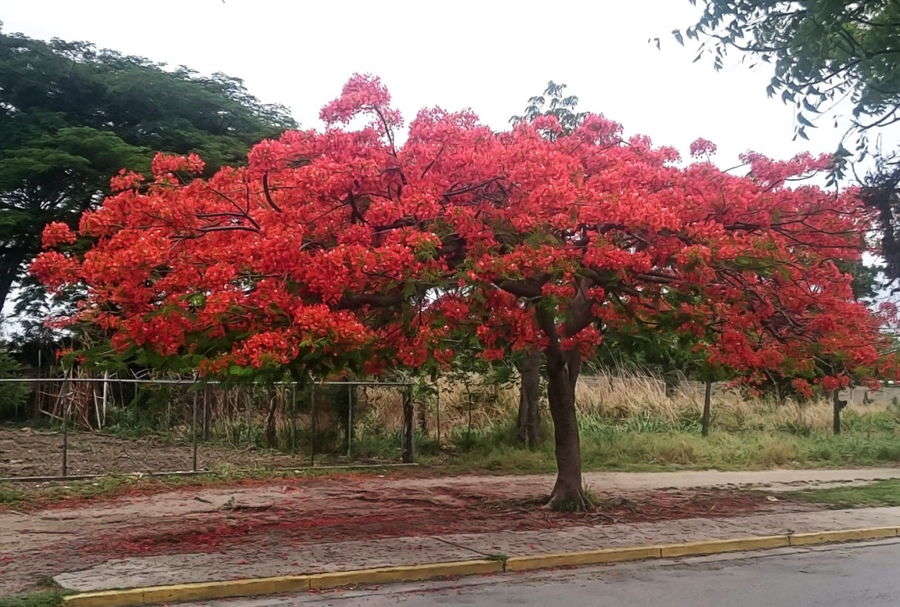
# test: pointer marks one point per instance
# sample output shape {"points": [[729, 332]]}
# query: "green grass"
{"points": [[652, 444], [40, 598], [879, 493]]}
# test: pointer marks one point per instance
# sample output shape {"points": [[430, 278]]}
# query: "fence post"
{"points": [[312, 421], [409, 454], [65, 445], [194, 432], [707, 409], [104, 398], [349, 419], [437, 406]]}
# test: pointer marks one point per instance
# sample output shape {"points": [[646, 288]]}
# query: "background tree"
{"points": [[826, 53], [71, 116]]}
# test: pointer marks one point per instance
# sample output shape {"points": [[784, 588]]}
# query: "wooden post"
{"points": [[707, 409], [65, 444], [194, 433], [409, 454], [105, 395], [312, 419], [437, 407], [838, 406], [349, 419]]}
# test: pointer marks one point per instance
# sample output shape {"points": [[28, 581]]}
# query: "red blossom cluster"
{"points": [[341, 246]]}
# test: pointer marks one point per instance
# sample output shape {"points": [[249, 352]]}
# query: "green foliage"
{"points": [[72, 115], [12, 395], [553, 102], [820, 50], [825, 53]]}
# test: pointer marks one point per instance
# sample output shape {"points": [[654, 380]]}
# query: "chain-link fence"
{"points": [[84, 426]]}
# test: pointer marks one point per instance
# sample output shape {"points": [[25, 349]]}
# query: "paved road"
{"points": [[829, 576]]}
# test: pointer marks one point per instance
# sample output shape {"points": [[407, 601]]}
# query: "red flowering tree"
{"points": [[349, 247]]}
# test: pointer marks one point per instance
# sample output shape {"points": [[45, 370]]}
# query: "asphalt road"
{"points": [[838, 575]]}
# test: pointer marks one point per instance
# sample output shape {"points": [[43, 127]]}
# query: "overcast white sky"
{"points": [[487, 55]]}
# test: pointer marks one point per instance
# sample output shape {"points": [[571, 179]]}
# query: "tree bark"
{"points": [[11, 263], [838, 406], [529, 420], [271, 430], [562, 374], [707, 409], [670, 382], [408, 454]]}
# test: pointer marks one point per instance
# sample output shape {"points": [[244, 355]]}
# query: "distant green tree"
{"points": [[12, 395], [72, 115], [553, 102], [825, 52]]}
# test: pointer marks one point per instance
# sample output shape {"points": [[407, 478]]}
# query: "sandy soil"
{"points": [[32, 452]]}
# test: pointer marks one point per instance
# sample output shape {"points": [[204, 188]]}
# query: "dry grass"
{"points": [[624, 396]]}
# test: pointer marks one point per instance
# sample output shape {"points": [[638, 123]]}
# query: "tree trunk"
{"points": [[408, 453], [838, 406], [670, 381], [562, 374], [11, 262], [271, 434], [529, 420], [707, 409]]}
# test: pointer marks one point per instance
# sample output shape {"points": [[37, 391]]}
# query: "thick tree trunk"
{"points": [[529, 420], [707, 409], [562, 375]]}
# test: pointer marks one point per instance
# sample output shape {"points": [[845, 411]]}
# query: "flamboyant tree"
{"points": [[349, 248]]}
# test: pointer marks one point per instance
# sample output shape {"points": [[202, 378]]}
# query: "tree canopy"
{"points": [[826, 53], [342, 248], [71, 116]]}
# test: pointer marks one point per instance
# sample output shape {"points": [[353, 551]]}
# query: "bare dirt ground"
{"points": [[253, 516], [32, 452]]}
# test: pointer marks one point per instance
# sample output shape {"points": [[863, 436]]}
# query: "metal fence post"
{"points": [[409, 454]]}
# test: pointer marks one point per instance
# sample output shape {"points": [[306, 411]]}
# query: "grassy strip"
{"points": [[605, 449], [40, 598], [879, 493]]}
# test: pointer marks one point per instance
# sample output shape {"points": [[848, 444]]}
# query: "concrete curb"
{"points": [[408, 573]]}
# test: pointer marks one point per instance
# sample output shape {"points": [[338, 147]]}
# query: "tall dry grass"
{"points": [[622, 395]]}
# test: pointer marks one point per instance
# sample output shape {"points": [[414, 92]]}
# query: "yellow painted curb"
{"points": [[716, 546], [409, 573], [187, 592], [590, 557], [824, 537]]}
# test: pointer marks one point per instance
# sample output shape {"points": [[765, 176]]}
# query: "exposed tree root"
{"points": [[578, 501]]}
